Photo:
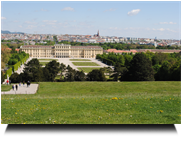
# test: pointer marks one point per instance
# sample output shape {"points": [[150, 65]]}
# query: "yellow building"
{"points": [[62, 51]]}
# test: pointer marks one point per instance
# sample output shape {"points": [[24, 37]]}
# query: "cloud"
{"points": [[31, 26], [30, 22], [111, 9], [50, 22], [134, 12], [67, 9], [20, 26], [167, 23], [43, 9], [3, 18], [161, 29]]}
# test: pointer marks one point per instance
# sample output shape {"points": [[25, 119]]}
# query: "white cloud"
{"points": [[3, 18], [170, 30], [31, 26], [167, 23], [134, 12], [43, 9], [30, 22], [111, 9], [50, 22], [161, 29], [67, 9], [20, 26]]}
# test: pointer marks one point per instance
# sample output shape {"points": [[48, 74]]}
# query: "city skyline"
{"points": [[123, 19]]}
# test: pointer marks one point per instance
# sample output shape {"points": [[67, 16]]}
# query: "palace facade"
{"points": [[62, 51]]}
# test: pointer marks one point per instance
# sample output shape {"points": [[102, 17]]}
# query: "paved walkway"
{"points": [[23, 89]]}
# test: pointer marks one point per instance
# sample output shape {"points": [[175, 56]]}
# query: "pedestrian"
{"points": [[13, 87], [19, 83], [23, 83], [7, 82], [16, 87]]}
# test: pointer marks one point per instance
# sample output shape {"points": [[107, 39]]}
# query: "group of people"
{"points": [[16, 86]]}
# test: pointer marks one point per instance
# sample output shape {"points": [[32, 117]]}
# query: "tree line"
{"points": [[34, 72], [145, 66]]}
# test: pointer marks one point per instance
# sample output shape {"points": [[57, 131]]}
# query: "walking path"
{"points": [[23, 89]]}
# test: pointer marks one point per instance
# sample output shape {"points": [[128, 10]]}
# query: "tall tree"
{"points": [[140, 69], [96, 75], [53, 68]]}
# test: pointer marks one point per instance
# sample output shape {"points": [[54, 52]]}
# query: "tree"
{"points": [[32, 70], [62, 68], [53, 68], [119, 71], [140, 69], [175, 71], [164, 72], [96, 75], [79, 76], [14, 78], [5, 55]]}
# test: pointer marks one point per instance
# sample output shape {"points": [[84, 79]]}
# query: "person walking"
{"points": [[23, 83], [13, 87], [16, 87], [19, 83], [7, 82]]}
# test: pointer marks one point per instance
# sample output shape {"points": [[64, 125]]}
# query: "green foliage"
{"points": [[14, 78], [8, 72], [140, 69], [96, 75]]}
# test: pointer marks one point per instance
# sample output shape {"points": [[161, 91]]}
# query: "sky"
{"points": [[142, 19]]}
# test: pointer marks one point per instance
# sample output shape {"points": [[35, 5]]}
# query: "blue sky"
{"points": [[142, 19]]}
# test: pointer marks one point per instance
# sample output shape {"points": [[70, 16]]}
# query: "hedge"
{"points": [[104, 60], [8, 72], [17, 65]]}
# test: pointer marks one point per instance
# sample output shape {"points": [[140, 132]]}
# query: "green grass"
{"points": [[87, 69], [47, 59], [80, 60], [91, 103], [43, 63], [85, 64], [5, 87]]}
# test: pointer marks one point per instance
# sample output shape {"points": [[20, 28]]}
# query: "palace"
{"points": [[62, 51]]}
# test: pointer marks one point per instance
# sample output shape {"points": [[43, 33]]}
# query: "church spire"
{"points": [[98, 33]]}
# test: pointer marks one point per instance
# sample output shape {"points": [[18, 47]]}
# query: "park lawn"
{"points": [[43, 63], [96, 103], [5, 87], [85, 64], [87, 69], [80, 60], [47, 59]]}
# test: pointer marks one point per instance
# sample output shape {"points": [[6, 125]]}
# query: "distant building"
{"points": [[62, 51]]}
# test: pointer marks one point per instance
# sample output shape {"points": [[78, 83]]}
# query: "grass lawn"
{"points": [[85, 64], [95, 103], [87, 69], [43, 63], [80, 60], [5, 87], [47, 59]]}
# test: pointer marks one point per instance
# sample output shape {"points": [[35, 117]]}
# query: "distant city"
{"points": [[95, 38]]}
